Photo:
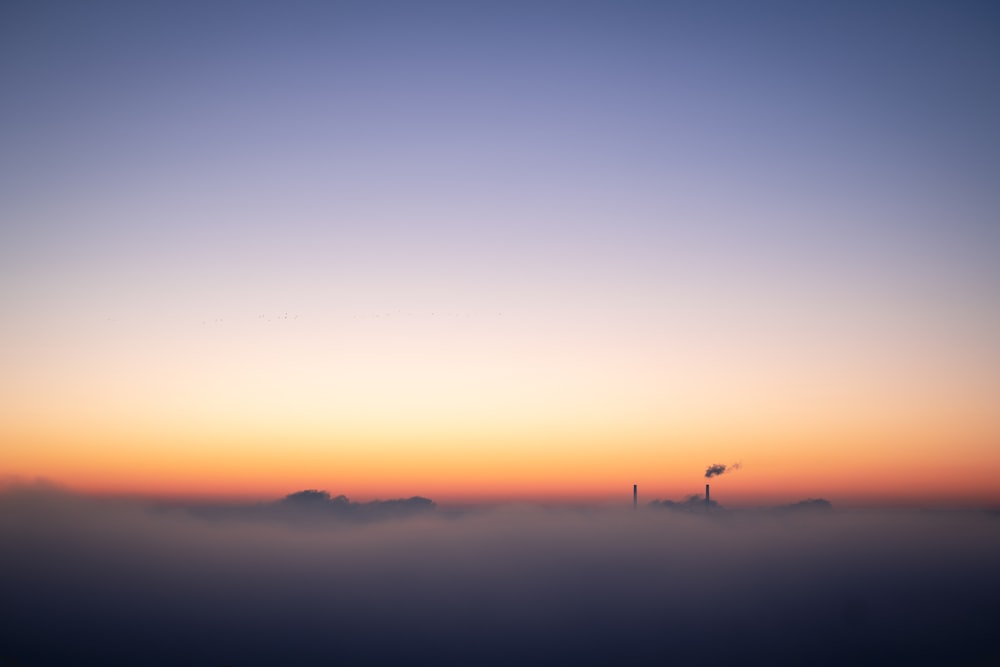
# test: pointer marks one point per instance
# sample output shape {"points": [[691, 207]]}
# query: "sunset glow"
{"points": [[391, 254]]}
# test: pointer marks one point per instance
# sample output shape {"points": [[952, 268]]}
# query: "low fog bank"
{"points": [[87, 581]]}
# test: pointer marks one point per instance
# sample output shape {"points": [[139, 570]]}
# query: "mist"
{"points": [[110, 582]]}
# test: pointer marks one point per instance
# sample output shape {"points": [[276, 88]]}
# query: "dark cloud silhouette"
{"points": [[312, 506], [87, 581], [312, 497], [320, 502]]}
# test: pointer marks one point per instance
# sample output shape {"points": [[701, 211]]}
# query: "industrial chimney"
{"points": [[708, 502], [635, 496]]}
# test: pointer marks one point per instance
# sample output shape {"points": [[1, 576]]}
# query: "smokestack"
{"points": [[708, 502], [635, 496]]}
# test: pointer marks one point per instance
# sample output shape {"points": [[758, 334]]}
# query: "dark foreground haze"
{"points": [[300, 582]]}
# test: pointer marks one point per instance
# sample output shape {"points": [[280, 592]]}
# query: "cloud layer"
{"points": [[112, 583]]}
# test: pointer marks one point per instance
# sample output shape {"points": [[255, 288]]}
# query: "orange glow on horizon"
{"points": [[574, 469], [404, 416]]}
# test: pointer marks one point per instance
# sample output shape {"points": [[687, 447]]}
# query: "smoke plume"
{"points": [[719, 468]]}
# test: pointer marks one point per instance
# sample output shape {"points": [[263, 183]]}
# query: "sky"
{"points": [[493, 251]]}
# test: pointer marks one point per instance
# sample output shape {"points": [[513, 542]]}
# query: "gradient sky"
{"points": [[502, 250]]}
